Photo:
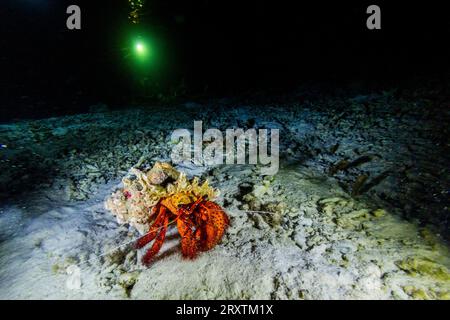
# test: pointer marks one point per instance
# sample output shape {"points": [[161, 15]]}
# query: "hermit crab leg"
{"points": [[188, 242], [156, 226], [146, 259]]}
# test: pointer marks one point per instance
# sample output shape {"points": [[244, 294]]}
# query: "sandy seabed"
{"points": [[309, 232]]}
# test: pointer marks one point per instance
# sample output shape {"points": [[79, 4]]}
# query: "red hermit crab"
{"points": [[201, 225], [153, 199]]}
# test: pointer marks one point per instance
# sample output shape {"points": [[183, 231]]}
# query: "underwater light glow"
{"points": [[140, 48], [142, 52]]}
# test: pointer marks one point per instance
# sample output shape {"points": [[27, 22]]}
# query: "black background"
{"points": [[229, 46], [281, 309]]}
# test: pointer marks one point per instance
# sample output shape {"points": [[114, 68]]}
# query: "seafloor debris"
{"points": [[152, 199], [345, 164], [358, 184], [341, 165], [424, 267]]}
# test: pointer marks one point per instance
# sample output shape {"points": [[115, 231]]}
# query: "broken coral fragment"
{"points": [[424, 267]]}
